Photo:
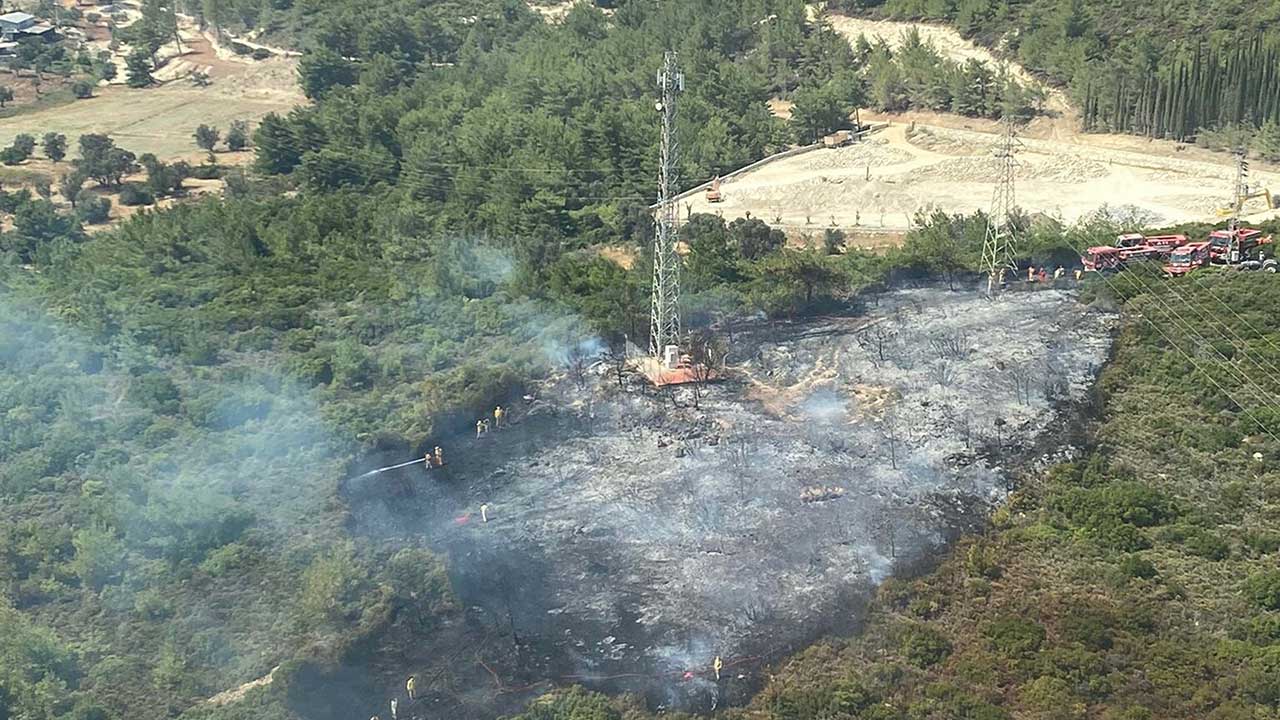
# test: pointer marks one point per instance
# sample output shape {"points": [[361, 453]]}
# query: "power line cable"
{"points": [[1264, 336], [1223, 329], [1211, 377], [1188, 326]]}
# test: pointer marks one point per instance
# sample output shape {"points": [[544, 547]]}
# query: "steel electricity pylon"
{"points": [[664, 327], [998, 250], [1241, 192]]}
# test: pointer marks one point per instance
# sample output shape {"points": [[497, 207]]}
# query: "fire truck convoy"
{"points": [[1179, 256]]}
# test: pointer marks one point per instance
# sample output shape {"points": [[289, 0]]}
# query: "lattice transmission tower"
{"points": [[998, 250], [1241, 196], [664, 327]]}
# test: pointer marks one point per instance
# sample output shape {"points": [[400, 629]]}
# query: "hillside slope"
{"points": [[1129, 66]]}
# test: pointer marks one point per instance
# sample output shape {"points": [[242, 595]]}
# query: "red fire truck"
{"points": [[1189, 257], [1246, 241]]}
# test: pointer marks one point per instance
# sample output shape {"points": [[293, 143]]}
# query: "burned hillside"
{"points": [[616, 535]]}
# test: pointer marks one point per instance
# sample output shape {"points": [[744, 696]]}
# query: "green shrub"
{"points": [[225, 559], [206, 171], [134, 194], [1207, 545], [419, 582], [980, 561], [199, 347], [830, 699], [1132, 712], [1085, 671], [1128, 502], [1119, 536], [1261, 679], [1235, 494], [150, 604], [25, 143], [1088, 626], [1263, 588], [571, 704], [93, 209], [329, 585], [99, 556], [895, 593], [161, 430], [12, 156], [943, 700], [86, 710], [352, 366], [922, 645], [1232, 710], [1014, 636], [1261, 629], [155, 392], [1262, 542], [1052, 696], [1112, 514], [926, 603], [1136, 566]]}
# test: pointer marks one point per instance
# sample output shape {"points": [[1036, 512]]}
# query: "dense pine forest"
{"points": [[182, 395], [1233, 85]]}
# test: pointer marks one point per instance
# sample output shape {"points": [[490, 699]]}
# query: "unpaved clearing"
{"points": [[158, 120], [552, 11], [932, 161], [162, 118], [886, 180]]}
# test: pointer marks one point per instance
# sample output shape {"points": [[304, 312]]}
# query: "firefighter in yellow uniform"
{"points": [[1031, 274], [718, 664], [411, 687], [498, 415], [480, 428], [439, 456]]}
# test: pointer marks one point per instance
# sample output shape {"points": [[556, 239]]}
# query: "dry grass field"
{"points": [[161, 119]]}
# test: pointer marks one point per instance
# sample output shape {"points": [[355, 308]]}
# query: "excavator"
{"points": [[1245, 197], [713, 191]]}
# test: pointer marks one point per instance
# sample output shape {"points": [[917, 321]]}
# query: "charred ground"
{"points": [[634, 536]]}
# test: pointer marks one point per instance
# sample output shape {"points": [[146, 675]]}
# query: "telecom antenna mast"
{"points": [[997, 251], [664, 328]]}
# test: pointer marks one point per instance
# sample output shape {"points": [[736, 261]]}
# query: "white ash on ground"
{"points": [[834, 452]]}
